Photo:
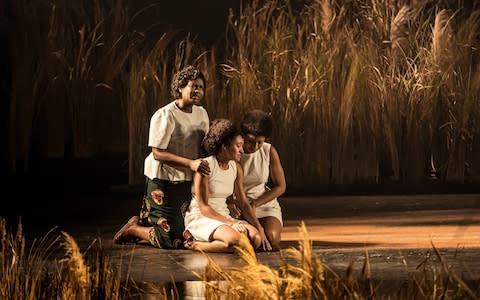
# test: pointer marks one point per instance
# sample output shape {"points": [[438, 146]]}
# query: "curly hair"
{"points": [[221, 132], [258, 123], [182, 77]]}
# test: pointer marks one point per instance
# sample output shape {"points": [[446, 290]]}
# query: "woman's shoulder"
{"points": [[200, 115], [212, 162], [233, 164], [163, 113], [266, 147], [199, 110], [210, 158], [165, 110]]}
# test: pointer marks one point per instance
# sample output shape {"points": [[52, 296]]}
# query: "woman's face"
{"points": [[193, 92], [253, 142], [235, 149]]}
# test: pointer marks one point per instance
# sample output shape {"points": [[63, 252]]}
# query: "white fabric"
{"points": [[178, 132], [220, 186], [256, 170]]}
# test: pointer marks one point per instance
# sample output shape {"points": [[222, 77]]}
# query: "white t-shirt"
{"points": [[178, 132]]}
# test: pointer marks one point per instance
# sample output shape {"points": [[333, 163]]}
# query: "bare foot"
{"points": [[122, 235], [188, 240]]}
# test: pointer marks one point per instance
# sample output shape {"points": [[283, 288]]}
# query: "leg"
{"points": [[224, 239], [141, 232], [253, 236], [130, 232], [273, 231], [135, 233], [161, 210]]}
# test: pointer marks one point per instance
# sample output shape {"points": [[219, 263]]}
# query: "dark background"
{"points": [[50, 188]]}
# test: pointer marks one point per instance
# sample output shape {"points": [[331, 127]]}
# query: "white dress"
{"points": [[256, 170], [220, 186]]}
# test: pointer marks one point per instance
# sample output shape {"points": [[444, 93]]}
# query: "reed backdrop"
{"points": [[362, 92]]}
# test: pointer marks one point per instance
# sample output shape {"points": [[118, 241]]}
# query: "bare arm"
{"points": [[197, 165], [247, 210], [242, 201], [278, 178], [201, 195]]}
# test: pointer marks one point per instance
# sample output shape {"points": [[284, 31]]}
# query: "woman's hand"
{"points": [[266, 246], [239, 227], [235, 212], [201, 166]]}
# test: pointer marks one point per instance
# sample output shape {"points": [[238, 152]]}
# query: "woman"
{"points": [[208, 219], [175, 136], [260, 161]]}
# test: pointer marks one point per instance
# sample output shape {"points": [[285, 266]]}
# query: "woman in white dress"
{"points": [[208, 221], [261, 162]]}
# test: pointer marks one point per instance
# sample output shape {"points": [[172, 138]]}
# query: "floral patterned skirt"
{"points": [[162, 210]]}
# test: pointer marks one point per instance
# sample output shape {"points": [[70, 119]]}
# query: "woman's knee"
{"points": [[232, 239], [256, 240], [274, 236]]}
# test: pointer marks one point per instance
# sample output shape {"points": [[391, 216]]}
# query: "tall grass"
{"points": [[147, 85], [54, 267], [98, 45], [22, 267], [366, 91], [30, 75], [81, 48]]}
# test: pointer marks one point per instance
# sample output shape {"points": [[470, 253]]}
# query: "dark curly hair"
{"points": [[182, 77], [258, 123], [221, 132]]}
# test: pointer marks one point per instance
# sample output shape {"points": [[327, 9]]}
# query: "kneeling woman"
{"points": [[207, 218]]}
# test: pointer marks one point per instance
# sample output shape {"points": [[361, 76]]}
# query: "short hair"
{"points": [[221, 132], [182, 77], [258, 123]]}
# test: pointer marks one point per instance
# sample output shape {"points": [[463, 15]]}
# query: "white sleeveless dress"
{"points": [[220, 186], [256, 170]]}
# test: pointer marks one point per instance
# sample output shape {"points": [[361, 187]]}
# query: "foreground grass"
{"points": [[54, 267], [306, 277]]}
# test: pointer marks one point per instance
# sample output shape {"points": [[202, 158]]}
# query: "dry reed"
{"points": [[31, 270], [34, 273], [390, 91], [303, 276]]}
